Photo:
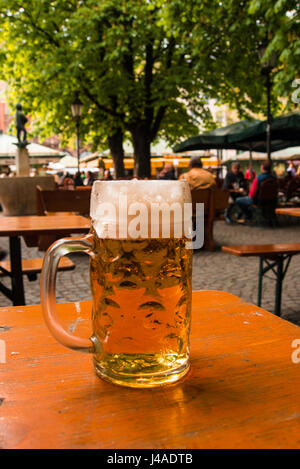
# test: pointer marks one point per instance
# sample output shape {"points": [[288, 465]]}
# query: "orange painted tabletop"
{"points": [[263, 249], [243, 390], [293, 212], [22, 226]]}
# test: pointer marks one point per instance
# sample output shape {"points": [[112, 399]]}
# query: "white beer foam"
{"points": [[114, 204]]}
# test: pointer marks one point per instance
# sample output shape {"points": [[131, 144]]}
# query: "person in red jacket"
{"points": [[250, 174], [245, 203]]}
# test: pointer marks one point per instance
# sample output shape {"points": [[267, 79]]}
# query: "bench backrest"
{"points": [[62, 201], [268, 190], [215, 201], [221, 199], [202, 196]]}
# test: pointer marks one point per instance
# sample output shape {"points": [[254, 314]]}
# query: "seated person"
{"points": [[250, 174], [90, 179], [107, 175], [245, 203], [78, 179], [68, 182], [197, 177], [292, 187], [235, 182], [168, 172], [291, 170]]}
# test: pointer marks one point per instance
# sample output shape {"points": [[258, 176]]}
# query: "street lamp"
{"points": [[266, 69], [76, 107]]}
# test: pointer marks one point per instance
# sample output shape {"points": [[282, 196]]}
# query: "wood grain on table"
{"points": [[263, 249], [243, 390], [22, 226], [292, 211]]}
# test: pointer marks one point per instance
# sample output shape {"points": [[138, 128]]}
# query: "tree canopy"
{"points": [[227, 35], [143, 68], [130, 74]]}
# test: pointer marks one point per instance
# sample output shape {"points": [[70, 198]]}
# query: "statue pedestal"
{"points": [[22, 161], [18, 194]]}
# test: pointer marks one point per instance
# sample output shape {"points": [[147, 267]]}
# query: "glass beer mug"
{"points": [[140, 277]]}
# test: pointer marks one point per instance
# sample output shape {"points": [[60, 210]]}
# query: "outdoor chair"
{"points": [[293, 188], [267, 200]]}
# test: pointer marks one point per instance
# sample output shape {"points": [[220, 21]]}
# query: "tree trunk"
{"points": [[142, 152], [115, 143]]}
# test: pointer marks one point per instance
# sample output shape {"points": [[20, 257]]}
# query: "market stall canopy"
{"points": [[8, 149], [291, 153], [288, 154], [159, 148], [284, 129], [55, 166], [68, 161]]}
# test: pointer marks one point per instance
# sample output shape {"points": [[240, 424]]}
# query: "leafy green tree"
{"points": [[282, 24], [227, 36], [134, 78], [144, 68]]}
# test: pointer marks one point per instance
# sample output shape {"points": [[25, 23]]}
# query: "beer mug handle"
{"points": [[48, 294]]}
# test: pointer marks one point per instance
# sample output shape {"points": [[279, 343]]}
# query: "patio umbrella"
{"points": [[231, 138], [285, 132], [216, 139]]}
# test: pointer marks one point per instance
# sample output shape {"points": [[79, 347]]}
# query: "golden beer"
{"points": [[141, 309]]}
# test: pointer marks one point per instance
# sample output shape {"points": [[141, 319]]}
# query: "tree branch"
{"points": [[41, 30], [158, 119], [148, 83], [102, 108]]}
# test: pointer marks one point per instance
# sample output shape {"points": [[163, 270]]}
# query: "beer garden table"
{"points": [[30, 227], [292, 211], [242, 391]]}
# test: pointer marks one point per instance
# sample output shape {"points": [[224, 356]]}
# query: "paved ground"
{"points": [[212, 270]]}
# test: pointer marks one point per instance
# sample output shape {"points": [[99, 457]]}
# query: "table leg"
{"points": [[279, 279], [18, 296], [260, 281], [279, 267]]}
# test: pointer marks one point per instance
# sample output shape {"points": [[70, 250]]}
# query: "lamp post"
{"points": [[76, 107], [266, 70]]}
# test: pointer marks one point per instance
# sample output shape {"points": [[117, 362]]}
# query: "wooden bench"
{"points": [[83, 188], [275, 257], [32, 267], [215, 202], [77, 201]]}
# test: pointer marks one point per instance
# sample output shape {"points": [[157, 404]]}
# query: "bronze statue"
{"points": [[21, 120]]}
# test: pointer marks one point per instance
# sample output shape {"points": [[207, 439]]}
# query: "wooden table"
{"points": [[242, 391], [292, 212], [274, 258], [31, 227]]}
